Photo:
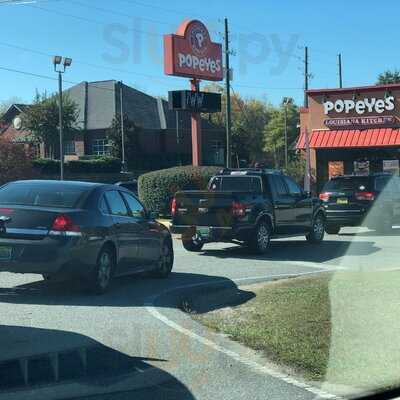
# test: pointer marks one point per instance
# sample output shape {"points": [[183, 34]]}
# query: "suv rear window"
{"points": [[236, 184], [348, 183], [43, 195]]}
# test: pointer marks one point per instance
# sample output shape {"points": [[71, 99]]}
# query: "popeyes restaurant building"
{"points": [[351, 131]]}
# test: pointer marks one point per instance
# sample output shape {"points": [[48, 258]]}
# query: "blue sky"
{"points": [[122, 39]]}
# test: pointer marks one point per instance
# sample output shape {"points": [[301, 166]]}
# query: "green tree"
{"points": [[389, 77], [131, 135], [249, 117], [274, 133], [42, 120]]}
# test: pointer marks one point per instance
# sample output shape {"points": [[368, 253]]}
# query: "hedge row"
{"points": [[152, 162], [157, 188], [97, 165]]}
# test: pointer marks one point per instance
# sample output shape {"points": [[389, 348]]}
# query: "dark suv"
{"points": [[355, 200]]}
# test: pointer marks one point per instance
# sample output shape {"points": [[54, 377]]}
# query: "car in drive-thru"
{"points": [[356, 200], [247, 206], [78, 230]]}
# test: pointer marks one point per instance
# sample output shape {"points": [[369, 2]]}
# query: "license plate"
{"points": [[342, 201], [203, 232], [5, 253]]}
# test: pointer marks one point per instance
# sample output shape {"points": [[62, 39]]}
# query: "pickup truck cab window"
{"points": [[294, 188], [278, 186], [236, 184]]}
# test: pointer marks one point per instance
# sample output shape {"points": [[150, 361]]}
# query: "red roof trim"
{"points": [[351, 138], [394, 86]]}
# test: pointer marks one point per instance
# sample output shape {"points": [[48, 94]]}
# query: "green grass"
{"points": [[343, 328]]}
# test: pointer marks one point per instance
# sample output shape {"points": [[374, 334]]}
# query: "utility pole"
{"points": [[306, 76], [123, 163], [340, 70], [228, 97]]}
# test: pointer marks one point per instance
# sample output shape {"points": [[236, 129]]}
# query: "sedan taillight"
{"points": [[64, 223], [369, 196]]}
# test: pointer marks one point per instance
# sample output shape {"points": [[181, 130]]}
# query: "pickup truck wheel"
{"points": [[262, 238], [332, 229], [190, 245], [318, 230]]}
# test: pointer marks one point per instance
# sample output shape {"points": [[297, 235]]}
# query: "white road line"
{"points": [[151, 308]]}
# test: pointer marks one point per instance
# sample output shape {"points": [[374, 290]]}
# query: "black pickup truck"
{"points": [[248, 206]]}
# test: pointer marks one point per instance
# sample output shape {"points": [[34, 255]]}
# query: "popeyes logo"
{"points": [[191, 53]]}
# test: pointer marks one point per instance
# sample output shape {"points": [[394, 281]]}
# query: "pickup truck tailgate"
{"points": [[205, 208]]}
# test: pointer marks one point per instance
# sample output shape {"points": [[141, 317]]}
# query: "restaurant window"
{"points": [[69, 148], [100, 147]]}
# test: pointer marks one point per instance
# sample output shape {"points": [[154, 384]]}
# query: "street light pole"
{"points": [[286, 149], [60, 65], [60, 124], [123, 169]]}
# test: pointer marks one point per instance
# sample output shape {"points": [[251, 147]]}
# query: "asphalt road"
{"points": [[139, 333]]}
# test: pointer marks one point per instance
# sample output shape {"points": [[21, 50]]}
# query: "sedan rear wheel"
{"points": [[102, 274], [166, 261]]}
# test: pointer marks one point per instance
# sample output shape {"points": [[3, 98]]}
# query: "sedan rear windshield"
{"points": [[43, 195], [350, 183], [236, 184]]}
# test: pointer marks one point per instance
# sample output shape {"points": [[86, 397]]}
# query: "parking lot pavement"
{"points": [[124, 321]]}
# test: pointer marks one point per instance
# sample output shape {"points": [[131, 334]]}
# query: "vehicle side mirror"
{"points": [[307, 194], [153, 215]]}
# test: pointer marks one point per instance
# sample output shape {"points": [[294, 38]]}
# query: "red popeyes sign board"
{"points": [[191, 53]]}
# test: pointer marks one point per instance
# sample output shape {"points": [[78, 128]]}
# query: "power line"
{"points": [[91, 21], [121, 14], [41, 53]]}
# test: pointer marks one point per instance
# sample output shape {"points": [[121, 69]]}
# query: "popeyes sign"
{"points": [[191, 53], [360, 107]]}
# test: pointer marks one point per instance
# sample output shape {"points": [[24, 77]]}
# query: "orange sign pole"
{"points": [[196, 130]]}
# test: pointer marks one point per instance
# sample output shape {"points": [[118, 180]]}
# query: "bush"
{"points": [[15, 162], [46, 166], [151, 162], [157, 188], [104, 164], [96, 165]]}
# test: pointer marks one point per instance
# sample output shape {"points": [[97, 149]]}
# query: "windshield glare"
{"points": [[199, 200]]}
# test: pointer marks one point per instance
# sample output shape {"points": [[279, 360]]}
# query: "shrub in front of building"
{"points": [[46, 166], [97, 165], [157, 188]]}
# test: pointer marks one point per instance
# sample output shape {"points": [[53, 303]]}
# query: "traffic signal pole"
{"points": [[196, 129]]}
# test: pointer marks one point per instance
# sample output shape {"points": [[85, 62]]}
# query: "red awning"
{"points": [[328, 139]]}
